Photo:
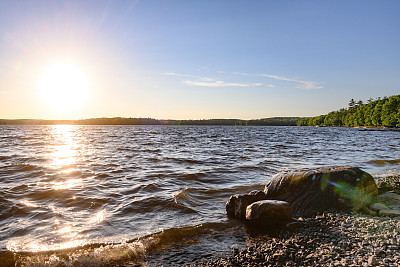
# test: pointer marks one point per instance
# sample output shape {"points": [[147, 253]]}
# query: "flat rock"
{"points": [[390, 213], [378, 206], [237, 204], [389, 198], [268, 212], [395, 207], [311, 191]]}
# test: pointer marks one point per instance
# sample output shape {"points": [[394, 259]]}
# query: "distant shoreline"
{"points": [[275, 121]]}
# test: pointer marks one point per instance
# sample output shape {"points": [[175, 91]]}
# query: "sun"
{"points": [[64, 86]]}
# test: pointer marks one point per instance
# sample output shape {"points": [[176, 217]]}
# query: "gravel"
{"points": [[330, 239]]}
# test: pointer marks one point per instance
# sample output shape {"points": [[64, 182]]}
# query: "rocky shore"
{"points": [[331, 238]]}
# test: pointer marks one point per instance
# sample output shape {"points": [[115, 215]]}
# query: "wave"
{"points": [[146, 205], [186, 161], [131, 252], [4, 158], [192, 176], [88, 255], [23, 167]]}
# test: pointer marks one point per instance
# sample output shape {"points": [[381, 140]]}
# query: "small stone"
{"points": [[372, 261]]}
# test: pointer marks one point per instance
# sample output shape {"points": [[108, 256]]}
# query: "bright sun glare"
{"points": [[64, 86]]}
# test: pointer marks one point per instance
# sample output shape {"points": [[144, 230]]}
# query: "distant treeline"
{"points": [[276, 121], [376, 113], [94, 121]]}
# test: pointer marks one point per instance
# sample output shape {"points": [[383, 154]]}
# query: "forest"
{"points": [[383, 112]]}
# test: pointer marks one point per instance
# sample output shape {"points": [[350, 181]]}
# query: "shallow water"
{"points": [[92, 195]]}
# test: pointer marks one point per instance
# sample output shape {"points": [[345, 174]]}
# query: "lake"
{"points": [[121, 195]]}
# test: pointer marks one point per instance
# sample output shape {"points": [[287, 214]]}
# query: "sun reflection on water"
{"points": [[35, 246], [65, 147], [67, 232], [70, 220], [28, 203], [68, 184]]}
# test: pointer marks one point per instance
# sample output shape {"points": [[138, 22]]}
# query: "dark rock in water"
{"points": [[237, 204], [266, 212], [312, 191]]}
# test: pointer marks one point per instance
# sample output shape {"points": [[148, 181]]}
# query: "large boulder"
{"points": [[237, 204], [311, 191], [266, 212]]}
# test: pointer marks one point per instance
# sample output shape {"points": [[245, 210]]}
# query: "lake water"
{"points": [[121, 195]]}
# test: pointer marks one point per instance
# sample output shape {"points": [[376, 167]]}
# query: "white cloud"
{"points": [[210, 82], [179, 74], [205, 79], [219, 84], [310, 85]]}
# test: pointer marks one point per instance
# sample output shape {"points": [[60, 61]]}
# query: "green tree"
{"points": [[381, 112]]}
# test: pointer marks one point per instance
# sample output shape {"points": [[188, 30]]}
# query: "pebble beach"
{"points": [[329, 239]]}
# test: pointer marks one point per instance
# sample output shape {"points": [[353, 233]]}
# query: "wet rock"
{"points": [[312, 191], [267, 212], [237, 204]]}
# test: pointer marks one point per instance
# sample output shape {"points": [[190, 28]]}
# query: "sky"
{"points": [[189, 59]]}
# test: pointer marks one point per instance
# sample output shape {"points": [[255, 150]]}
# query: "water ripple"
{"points": [[68, 186]]}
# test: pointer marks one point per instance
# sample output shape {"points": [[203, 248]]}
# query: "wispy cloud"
{"points": [[196, 80], [211, 82], [219, 84], [180, 74], [309, 85]]}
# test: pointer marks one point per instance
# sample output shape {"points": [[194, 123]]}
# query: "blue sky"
{"points": [[199, 59]]}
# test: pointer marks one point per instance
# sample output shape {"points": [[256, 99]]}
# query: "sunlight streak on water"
{"points": [[29, 203], [65, 149], [71, 183], [35, 246]]}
